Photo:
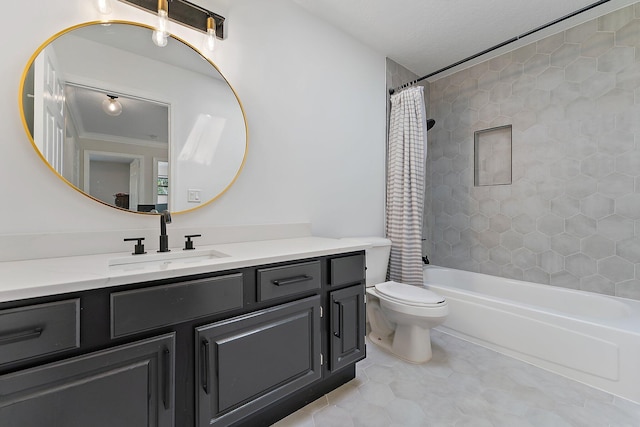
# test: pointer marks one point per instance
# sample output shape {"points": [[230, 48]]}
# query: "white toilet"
{"points": [[400, 316]]}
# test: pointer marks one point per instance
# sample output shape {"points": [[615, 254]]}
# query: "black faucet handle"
{"points": [[188, 244], [139, 247]]}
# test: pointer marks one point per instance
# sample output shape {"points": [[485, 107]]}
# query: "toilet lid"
{"points": [[414, 295]]}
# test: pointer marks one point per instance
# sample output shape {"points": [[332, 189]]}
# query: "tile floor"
{"points": [[463, 385]]}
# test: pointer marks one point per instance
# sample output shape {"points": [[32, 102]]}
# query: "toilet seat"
{"points": [[408, 294]]}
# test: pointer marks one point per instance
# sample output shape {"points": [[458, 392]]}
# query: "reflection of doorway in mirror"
{"points": [[135, 175], [137, 136], [108, 174]]}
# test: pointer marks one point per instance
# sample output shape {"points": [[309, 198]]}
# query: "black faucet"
{"points": [[165, 218]]}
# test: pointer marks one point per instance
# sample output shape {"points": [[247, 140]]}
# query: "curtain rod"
{"points": [[511, 40]]}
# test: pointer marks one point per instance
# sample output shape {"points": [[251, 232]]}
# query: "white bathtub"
{"points": [[591, 338]]}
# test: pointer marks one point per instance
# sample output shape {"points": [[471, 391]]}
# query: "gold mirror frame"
{"points": [[21, 105]]}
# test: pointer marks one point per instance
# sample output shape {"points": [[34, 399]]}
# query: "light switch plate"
{"points": [[193, 196]]}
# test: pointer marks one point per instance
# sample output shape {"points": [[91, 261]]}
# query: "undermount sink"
{"points": [[164, 260]]}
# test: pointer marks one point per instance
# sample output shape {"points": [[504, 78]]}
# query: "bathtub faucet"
{"points": [[165, 218], [425, 260]]}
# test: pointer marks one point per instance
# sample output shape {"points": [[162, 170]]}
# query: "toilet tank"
{"points": [[377, 258]]}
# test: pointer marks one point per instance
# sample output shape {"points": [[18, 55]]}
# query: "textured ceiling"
{"points": [[427, 35]]}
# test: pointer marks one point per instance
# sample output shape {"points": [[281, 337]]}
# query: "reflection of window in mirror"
{"points": [[162, 191]]}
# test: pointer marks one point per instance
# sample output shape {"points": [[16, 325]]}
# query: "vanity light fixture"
{"points": [[161, 35], [211, 34], [104, 7], [185, 13], [112, 106]]}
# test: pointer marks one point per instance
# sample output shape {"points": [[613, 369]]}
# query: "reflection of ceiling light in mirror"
{"points": [[104, 6], [112, 106], [160, 35], [211, 34]]}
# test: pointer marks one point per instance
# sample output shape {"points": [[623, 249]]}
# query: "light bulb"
{"points": [[211, 39], [163, 19], [161, 35], [159, 39], [211, 34], [104, 7], [112, 106]]}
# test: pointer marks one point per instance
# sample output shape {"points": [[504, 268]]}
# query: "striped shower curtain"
{"points": [[405, 184]]}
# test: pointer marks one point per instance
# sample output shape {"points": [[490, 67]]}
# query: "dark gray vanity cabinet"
{"points": [[241, 347], [249, 362], [129, 385]]}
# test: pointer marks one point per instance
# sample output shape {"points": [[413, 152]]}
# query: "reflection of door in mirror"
{"points": [[49, 111]]}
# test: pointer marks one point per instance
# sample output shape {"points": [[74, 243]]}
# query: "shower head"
{"points": [[430, 123]]}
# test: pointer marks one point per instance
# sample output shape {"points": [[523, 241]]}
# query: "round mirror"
{"points": [[130, 124]]}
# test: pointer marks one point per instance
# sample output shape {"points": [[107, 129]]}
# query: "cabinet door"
{"points": [[130, 385], [249, 362], [347, 318]]}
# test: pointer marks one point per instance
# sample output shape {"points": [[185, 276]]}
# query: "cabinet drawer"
{"points": [[149, 308], [278, 282], [38, 330], [348, 269]]}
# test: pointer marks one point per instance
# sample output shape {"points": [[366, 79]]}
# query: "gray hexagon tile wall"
{"points": [[571, 217]]}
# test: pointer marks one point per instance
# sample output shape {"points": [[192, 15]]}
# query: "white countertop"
{"points": [[50, 276]]}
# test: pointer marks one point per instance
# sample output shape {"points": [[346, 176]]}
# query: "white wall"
{"points": [[315, 103]]}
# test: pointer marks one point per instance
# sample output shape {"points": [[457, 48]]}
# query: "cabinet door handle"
{"points": [[204, 356], [337, 329], [21, 336], [166, 395], [292, 280]]}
